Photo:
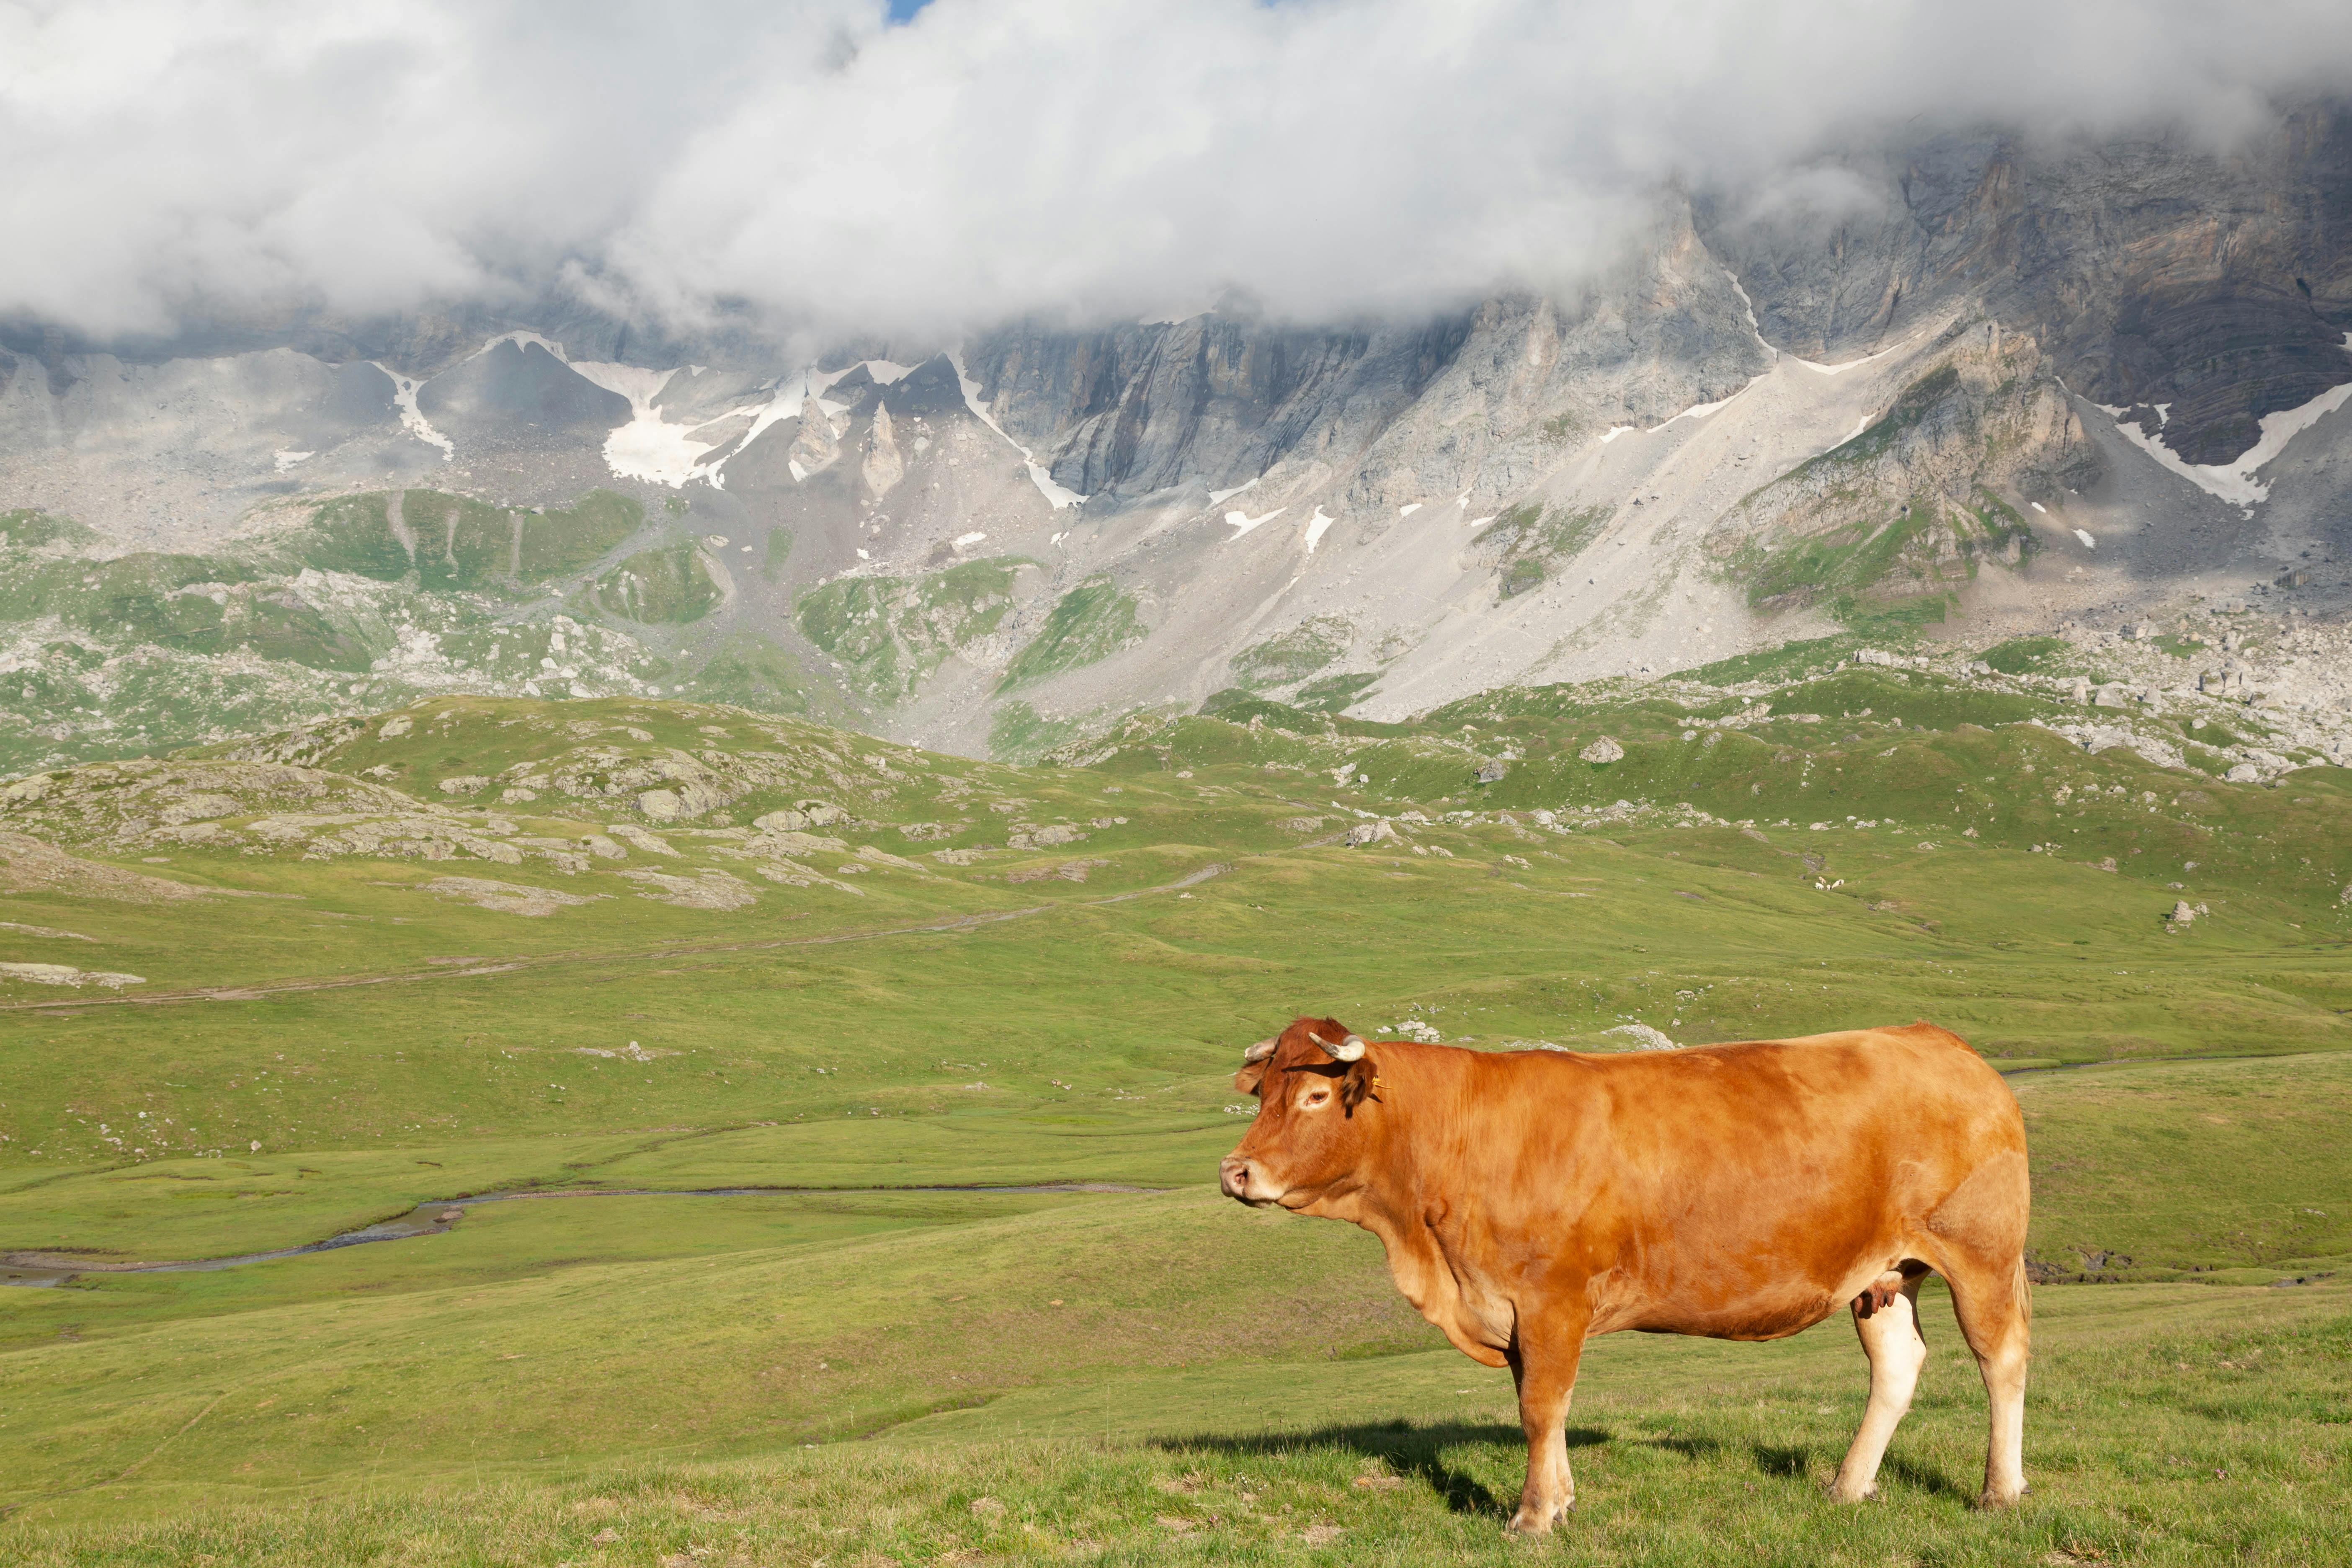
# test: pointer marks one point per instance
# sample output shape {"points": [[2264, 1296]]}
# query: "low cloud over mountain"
{"points": [[813, 165]]}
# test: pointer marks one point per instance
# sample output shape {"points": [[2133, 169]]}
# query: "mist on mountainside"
{"points": [[814, 166]]}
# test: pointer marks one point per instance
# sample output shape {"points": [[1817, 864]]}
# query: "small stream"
{"points": [[40, 1269]]}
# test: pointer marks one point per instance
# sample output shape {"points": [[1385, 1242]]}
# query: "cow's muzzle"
{"points": [[1233, 1179]]}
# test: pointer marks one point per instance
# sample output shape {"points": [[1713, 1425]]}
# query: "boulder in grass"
{"points": [[1604, 750]]}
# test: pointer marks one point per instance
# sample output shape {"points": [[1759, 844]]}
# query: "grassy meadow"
{"points": [[592, 1356]]}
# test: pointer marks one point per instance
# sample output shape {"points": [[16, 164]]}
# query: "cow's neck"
{"points": [[1417, 1175]]}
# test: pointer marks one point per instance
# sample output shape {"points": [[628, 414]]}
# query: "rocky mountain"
{"points": [[1962, 390]]}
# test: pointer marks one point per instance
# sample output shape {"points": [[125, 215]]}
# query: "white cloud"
{"points": [[1095, 157]]}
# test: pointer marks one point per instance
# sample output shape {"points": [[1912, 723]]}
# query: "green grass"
{"points": [[750, 671], [1088, 624], [2233, 1450], [325, 610], [1529, 542], [471, 545], [1017, 732], [1096, 1364], [890, 634], [1296, 654], [28, 527], [353, 533], [671, 584], [2028, 656], [1336, 693], [1801, 659], [1846, 563], [1521, 575], [2004, 523]]}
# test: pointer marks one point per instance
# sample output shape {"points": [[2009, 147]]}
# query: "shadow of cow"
{"points": [[1413, 1452]]}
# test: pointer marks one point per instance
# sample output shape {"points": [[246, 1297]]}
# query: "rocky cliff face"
{"points": [[2153, 272], [1966, 387], [1922, 495], [1475, 399]]}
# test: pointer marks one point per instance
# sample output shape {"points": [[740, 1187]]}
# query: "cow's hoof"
{"points": [[1532, 1522], [1993, 1497], [1840, 1492]]}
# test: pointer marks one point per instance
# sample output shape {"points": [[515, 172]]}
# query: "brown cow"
{"points": [[1530, 1199]]}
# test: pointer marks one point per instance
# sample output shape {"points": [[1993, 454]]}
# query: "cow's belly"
{"points": [[1744, 1289], [1769, 1315]]}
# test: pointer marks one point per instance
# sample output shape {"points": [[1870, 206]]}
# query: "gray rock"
{"points": [[1604, 750], [1046, 838], [518, 394], [1918, 230]]}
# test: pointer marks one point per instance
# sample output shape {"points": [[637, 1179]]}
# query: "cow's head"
{"points": [[1310, 1081]]}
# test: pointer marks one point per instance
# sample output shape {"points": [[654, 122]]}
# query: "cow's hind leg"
{"points": [[1886, 1316], [1544, 1367], [1995, 1307]]}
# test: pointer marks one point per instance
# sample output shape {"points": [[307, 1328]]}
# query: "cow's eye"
{"points": [[1317, 1097]]}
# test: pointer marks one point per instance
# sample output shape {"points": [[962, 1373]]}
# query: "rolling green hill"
{"points": [[554, 971]]}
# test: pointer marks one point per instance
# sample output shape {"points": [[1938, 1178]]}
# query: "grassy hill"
{"points": [[553, 971], [358, 603]]}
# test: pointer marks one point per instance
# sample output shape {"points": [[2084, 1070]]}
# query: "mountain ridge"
{"points": [[1525, 489]]}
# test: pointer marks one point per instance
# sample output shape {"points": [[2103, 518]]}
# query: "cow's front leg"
{"points": [[1543, 1364]]}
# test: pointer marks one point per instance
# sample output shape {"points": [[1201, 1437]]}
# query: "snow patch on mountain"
{"points": [[2235, 482], [411, 418], [1056, 495], [649, 446]]}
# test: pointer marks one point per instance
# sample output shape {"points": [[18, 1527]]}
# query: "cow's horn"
{"points": [[1260, 1051], [1347, 1050]]}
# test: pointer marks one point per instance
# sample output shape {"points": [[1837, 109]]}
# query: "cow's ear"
{"points": [[1358, 1083], [1249, 1078]]}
